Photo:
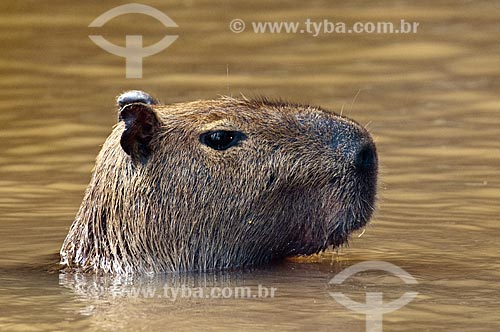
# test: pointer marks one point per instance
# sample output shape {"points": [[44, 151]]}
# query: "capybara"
{"points": [[221, 184]]}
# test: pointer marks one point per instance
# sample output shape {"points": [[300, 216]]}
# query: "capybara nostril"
{"points": [[366, 157]]}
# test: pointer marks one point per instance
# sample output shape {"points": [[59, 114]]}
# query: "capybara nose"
{"points": [[366, 157]]}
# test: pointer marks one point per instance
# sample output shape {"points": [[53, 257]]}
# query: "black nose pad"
{"points": [[366, 158]]}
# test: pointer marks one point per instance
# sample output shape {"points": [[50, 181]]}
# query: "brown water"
{"points": [[431, 100]]}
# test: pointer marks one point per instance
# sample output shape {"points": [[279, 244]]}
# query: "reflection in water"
{"points": [[252, 299], [430, 100]]}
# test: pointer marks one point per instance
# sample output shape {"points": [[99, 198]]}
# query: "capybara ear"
{"points": [[135, 96], [141, 124]]}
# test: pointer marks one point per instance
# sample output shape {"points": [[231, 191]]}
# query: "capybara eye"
{"points": [[221, 139]]}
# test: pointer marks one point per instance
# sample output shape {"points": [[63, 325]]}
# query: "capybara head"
{"points": [[221, 184]]}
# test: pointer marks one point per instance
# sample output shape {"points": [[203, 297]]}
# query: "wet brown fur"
{"points": [[289, 188]]}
